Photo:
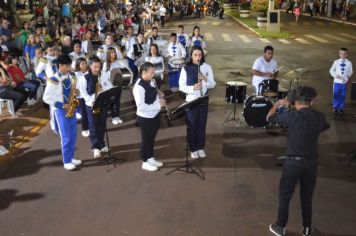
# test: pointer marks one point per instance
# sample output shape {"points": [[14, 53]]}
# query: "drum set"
{"points": [[255, 106]]}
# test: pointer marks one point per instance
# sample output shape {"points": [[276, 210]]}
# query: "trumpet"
{"points": [[98, 89]]}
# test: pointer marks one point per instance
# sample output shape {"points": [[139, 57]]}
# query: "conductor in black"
{"points": [[304, 127]]}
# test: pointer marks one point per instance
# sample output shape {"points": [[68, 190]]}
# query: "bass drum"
{"points": [[256, 109], [121, 77]]}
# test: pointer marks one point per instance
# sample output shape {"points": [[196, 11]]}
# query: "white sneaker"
{"points": [[96, 153], [4, 150], [153, 162], [85, 133], [69, 166], [149, 167], [78, 116], [116, 120], [201, 153], [76, 162], [104, 149], [194, 155]]}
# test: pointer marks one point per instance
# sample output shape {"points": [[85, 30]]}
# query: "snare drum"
{"points": [[176, 63], [235, 92], [269, 88], [256, 109]]}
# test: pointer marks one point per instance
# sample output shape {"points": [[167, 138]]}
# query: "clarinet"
{"points": [[168, 117], [199, 74]]}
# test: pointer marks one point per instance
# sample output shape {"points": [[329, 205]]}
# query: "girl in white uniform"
{"points": [[156, 59]]}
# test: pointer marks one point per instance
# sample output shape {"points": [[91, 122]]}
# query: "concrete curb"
{"points": [[330, 19], [244, 25]]}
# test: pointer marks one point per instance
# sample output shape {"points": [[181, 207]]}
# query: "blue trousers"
{"points": [[133, 68], [67, 128], [97, 125], [339, 96], [173, 76], [196, 121]]}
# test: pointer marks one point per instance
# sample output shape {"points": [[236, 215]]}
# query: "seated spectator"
{"points": [[7, 91], [26, 87]]}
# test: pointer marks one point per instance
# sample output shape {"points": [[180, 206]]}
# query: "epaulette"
{"points": [[43, 60], [53, 80]]}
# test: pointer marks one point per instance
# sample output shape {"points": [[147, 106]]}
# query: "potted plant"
{"points": [[261, 7], [245, 9]]}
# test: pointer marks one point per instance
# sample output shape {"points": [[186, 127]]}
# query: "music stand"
{"points": [[188, 167], [105, 100], [232, 116]]}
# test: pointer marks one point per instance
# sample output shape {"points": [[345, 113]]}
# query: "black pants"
{"points": [[17, 97], [196, 119], [162, 21], [115, 111], [149, 128], [83, 113], [305, 171], [97, 125]]}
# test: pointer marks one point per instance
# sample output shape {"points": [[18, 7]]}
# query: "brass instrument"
{"points": [[73, 102], [98, 89]]}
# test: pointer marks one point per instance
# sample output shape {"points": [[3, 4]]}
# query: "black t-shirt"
{"points": [[304, 128]]}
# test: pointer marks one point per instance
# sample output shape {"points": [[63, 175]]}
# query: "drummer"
{"points": [[154, 37], [156, 59], [264, 68], [175, 51]]}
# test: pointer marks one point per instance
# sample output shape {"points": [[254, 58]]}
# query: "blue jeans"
{"points": [[30, 86]]}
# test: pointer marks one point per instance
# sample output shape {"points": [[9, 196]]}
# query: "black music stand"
{"points": [[188, 167], [104, 101]]}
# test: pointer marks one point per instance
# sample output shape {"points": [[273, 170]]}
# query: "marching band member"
{"points": [[196, 39], [195, 80], [81, 69], [341, 71], [156, 59], [89, 86], [57, 94], [47, 65], [136, 51], [103, 49], [154, 37], [113, 62], [45, 69], [182, 37], [264, 68], [87, 45], [129, 40], [77, 52], [175, 50], [148, 104]]}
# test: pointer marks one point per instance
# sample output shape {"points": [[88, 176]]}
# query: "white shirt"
{"points": [[128, 42], [177, 52], [78, 75], [162, 11], [193, 39], [104, 80], [116, 64], [192, 94], [143, 109], [53, 93], [103, 50], [74, 56], [263, 66], [45, 64], [345, 74]]}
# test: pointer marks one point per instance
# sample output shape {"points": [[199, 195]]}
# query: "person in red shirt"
{"points": [[26, 87]]}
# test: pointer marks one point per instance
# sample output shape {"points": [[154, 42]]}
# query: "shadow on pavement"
{"points": [[8, 196]]}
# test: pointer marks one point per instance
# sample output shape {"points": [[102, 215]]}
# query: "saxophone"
{"points": [[73, 102]]}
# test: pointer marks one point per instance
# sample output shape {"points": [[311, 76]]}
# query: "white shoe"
{"points": [[194, 155], [104, 149], [4, 150], [149, 167], [31, 102], [69, 166], [116, 121], [96, 153], [76, 162], [201, 153], [85, 133], [153, 162], [78, 116]]}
